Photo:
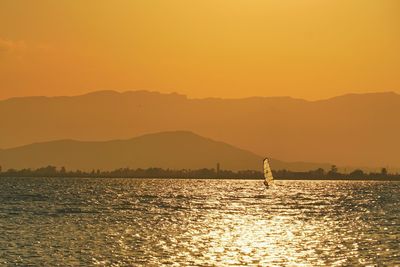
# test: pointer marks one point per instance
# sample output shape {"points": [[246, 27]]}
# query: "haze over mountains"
{"points": [[357, 130], [174, 150]]}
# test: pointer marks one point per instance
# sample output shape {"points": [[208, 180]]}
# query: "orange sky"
{"points": [[227, 48]]}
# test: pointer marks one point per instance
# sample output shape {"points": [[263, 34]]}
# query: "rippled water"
{"points": [[120, 222]]}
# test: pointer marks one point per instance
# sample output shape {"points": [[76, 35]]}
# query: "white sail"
{"points": [[269, 179]]}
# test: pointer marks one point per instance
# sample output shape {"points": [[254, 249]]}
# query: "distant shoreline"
{"points": [[158, 173], [201, 178]]}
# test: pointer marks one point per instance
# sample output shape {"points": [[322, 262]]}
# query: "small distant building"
{"points": [[218, 167]]}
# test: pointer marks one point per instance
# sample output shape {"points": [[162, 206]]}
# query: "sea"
{"points": [[186, 222]]}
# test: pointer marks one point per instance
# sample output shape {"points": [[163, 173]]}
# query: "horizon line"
{"points": [[149, 91]]}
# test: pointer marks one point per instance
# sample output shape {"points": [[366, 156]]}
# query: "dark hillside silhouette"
{"points": [[175, 150]]}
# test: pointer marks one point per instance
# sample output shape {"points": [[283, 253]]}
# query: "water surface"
{"points": [[120, 222]]}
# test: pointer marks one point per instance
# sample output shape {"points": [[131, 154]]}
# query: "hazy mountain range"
{"points": [[357, 130], [174, 150]]}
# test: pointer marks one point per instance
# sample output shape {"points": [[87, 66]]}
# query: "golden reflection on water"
{"points": [[245, 240], [125, 222]]}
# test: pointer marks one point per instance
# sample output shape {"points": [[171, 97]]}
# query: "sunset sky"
{"points": [[224, 48]]}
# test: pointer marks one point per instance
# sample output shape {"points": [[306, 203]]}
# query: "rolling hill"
{"points": [[175, 150]]}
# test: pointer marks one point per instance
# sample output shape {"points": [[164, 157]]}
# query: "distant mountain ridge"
{"points": [[351, 130], [174, 150]]}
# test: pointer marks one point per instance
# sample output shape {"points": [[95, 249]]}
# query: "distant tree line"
{"points": [[334, 174], [318, 174]]}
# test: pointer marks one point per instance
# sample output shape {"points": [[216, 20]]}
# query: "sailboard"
{"points": [[268, 177]]}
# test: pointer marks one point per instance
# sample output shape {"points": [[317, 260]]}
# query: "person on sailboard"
{"points": [[268, 178]]}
